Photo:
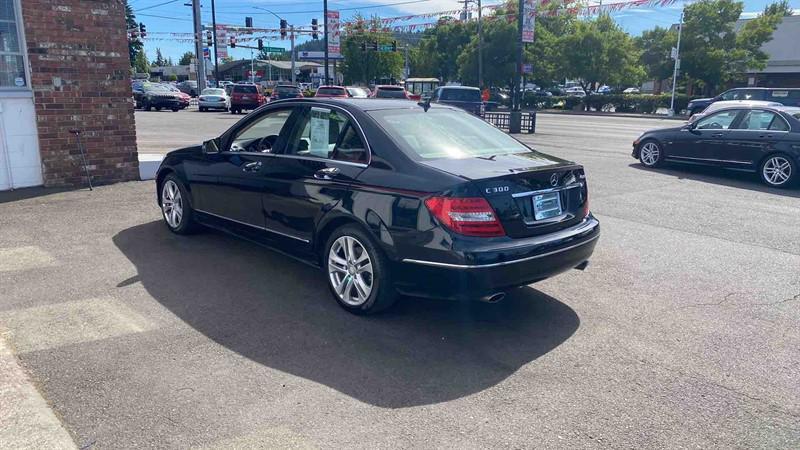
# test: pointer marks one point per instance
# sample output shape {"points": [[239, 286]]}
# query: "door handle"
{"points": [[327, 173], [717, 135], [254, 166]]}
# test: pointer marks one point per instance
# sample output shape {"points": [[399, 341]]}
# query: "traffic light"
{"points": [[233, 41], [209, 38], [260, 44], [248, 22], [284, 26], [363, 46], [314, 29], [374, 46], [394, 46], [142, 30]]}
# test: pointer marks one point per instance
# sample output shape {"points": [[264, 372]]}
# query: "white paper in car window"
{"points": [[320, 123]]}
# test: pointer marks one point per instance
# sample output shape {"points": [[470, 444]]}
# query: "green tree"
{"points": [[141, 64], [498, 61], [655, 46], [367, 66], [439, 49], [186, 59], [160, 61], [544, 52], [713, 53], [135, 45], [598, 51]]}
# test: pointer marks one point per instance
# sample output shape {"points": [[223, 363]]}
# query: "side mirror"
{"points": [[211, 146]]}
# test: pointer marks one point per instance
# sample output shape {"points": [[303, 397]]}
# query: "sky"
{"points": [[163, 17]]}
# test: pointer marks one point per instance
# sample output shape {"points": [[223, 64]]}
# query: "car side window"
{"points": [[316, 132], [262, 135], [762, 120], [719, 121], [350, 147]]}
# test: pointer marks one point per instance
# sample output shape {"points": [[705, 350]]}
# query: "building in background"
{"points": [[64, 66], [783, 67]]}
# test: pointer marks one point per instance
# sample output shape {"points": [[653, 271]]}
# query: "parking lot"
{"points": [[683, 332]]}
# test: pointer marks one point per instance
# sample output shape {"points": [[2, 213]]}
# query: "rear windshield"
{"points": [[213, 91], [357, 92], [287, 90], [461, 95], [390, 92], [245, 89], [331, 91], [444, 134]]}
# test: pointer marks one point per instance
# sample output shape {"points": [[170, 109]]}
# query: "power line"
{"points": [[155, 6]]}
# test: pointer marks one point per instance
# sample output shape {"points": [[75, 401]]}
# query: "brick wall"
{"points": [[78, 52]]}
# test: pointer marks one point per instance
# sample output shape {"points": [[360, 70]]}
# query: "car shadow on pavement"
{"points": [[713, 175], [279, 313]]}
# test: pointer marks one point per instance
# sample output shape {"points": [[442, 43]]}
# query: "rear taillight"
{"points": [[467, 216], [585, 208]]}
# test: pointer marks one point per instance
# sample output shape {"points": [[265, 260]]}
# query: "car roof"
{"points": [[389, 86], [463, 88], [330, 86], [365, 104]]}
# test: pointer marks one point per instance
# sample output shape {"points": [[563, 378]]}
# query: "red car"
{"points": [[390, 91], [331, 92], [245, 96], [283, 91]]}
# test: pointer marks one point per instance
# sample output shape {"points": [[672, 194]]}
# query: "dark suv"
{"points": [[464, 97], [784, 96], [244, 97], [283, 91]]}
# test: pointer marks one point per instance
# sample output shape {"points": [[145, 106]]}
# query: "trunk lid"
{"points": [[531, 193]]}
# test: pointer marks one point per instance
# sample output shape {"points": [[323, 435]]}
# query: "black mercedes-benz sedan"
{"points": [[387, 197], [762, 139]]}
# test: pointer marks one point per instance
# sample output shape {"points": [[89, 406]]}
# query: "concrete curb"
{"points": [[148, 165], [603, 114], [26, 418]]}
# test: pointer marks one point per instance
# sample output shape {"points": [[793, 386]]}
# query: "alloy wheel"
{"points": [[777, 170], [649, 153], [172, 204], [350, 271]]}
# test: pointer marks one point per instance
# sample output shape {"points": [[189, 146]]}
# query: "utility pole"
{"points": [[198, 47], [515, 117], [291, 39], [325, 32], [677, 67], [480, 47], [252, 67], [216, 45], [269, 61]]}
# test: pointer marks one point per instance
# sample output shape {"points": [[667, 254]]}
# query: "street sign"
{"points": [[316, 55], [274, 50], [674, 53], [385, 48], [334, 34], [527, 68]]}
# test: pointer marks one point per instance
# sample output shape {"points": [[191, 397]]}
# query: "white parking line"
{"points": [[27, 421], [56, 325], [24, 258]]}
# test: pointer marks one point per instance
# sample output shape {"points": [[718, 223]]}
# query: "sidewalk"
{"points": [[26, 418], [610, 114]]}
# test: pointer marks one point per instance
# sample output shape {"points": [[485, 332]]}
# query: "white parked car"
{"points": [[213, 98], [631, 90], [575, 91], [716, 106]]}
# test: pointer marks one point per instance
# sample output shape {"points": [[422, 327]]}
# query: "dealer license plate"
{"points": [[546, 206]]}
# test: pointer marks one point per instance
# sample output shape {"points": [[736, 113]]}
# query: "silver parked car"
{"points": [[213, 98]]}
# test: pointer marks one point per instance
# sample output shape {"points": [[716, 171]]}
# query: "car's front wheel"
{"points": [[175, 208], [778, 171], [651, 154], [358, 273]]}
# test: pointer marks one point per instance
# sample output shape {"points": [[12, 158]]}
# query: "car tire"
{"points": [[176, 209], [203, 109], [175, 109], [158, 108], [233, 110], [778, 170], [147, 107], [357, 271], [651, 154]]}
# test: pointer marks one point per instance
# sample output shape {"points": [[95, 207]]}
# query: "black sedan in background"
{"points": [[386, 197], [758, 139], [158, 96]]}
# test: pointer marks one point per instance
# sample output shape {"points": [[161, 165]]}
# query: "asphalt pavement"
{"points": [[683, 332]]}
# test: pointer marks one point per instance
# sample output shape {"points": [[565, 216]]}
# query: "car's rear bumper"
{"points": [[215, 105], [245, 105], [500, 269]]}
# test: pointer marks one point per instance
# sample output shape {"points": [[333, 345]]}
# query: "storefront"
{"points": [[64, 66]]}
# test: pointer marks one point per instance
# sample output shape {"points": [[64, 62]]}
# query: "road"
{"points": [[683, 332]]}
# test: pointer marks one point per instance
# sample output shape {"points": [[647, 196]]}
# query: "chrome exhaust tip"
{"points": [[494, 298]]}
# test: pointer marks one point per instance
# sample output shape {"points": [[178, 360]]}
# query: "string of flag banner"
{"points": [[351, 27]]}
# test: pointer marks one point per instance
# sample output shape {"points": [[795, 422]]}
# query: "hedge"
{"points": [[630, 103]]}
